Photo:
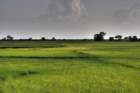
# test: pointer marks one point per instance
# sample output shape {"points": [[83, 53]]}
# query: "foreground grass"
{"points": [[85, 67]]}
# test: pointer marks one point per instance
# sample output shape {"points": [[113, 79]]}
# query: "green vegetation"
{"points": [[69, 67]]}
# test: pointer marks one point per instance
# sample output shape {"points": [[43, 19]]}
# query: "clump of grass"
{"points": [[2, 78], [27, 73]]}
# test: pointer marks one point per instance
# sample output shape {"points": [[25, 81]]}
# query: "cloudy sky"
{"points": [[69, 18]]}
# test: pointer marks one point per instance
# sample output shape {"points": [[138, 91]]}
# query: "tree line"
{"points": [[100, 37], [96, 37]]}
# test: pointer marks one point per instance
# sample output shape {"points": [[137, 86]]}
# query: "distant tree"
{"points": [[84, 39], [133, 38], [30, 39], [4, 38], [118, 37], [126, 38], [43, 38], [129, 38], [111, 38], [53, 39], [9, 37], [100, 36]]}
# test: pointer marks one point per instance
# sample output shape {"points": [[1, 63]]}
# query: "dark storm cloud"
{"points": [[131, 13], [68, 18], [63, 7]]}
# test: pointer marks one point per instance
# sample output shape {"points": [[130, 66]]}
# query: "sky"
{"points": [[68, 18]]}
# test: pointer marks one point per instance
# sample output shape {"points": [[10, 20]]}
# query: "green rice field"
{"points": [[69, 67]]}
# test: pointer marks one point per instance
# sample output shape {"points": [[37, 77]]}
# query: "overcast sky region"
{"points": [[69, 18]]}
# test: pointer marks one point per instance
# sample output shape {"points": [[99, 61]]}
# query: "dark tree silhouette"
{"points": [[53, 39], [9, 37], [4, 38], [132, 38], [111, 38], [126, 38], [30, 39], [118, 37], [43, 38], [100, 36]]}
